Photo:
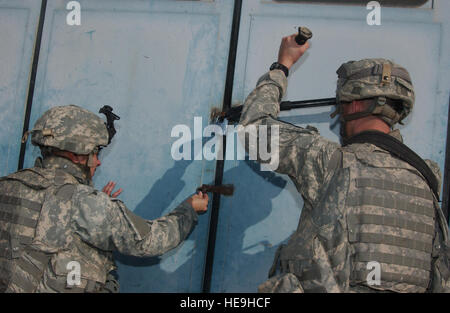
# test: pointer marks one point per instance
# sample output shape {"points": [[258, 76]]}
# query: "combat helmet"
{"points": [[387, 83], [71, 128]]}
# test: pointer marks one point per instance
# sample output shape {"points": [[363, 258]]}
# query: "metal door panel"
{"points": [[262, 214], [18, 24], [158, 64]]}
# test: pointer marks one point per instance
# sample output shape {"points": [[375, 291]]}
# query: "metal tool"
{"points": [[226, 190], [233, 114], [304, 33]]}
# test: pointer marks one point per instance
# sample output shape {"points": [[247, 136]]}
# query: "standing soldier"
{"points": [[369, 204], [52, 219]]}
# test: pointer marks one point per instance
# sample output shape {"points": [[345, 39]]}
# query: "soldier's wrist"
{"points": [[286, 62], [187, 205], [280, 66]]}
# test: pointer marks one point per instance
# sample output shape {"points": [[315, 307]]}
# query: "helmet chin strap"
{"points": [[339, 111], [378, 106], [86, 169], [91, 162], [343, 131]]}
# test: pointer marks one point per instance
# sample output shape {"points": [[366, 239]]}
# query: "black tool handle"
{"points": [[226, 190], [289, 105], [303, 35], [234, 114]]}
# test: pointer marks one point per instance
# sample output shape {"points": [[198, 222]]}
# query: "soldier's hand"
{"points": [[109, 187], [199, 202], [290, 51]]}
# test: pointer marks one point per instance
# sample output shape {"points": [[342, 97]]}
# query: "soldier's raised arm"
{"points": [[303, 153]]}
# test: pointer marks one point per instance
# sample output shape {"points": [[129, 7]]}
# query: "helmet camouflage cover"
{"points": [[70, 128], [380, 79]]}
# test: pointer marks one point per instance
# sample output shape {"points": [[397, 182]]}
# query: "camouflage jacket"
{"points": [[328, 250], [74, 224]]}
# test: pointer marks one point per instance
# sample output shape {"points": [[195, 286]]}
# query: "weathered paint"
{"points": [[158, 64], [18, 23], [262, 214]]}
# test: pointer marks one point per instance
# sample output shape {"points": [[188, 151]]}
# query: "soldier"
{"points": [[365, 206], [52, 218]]}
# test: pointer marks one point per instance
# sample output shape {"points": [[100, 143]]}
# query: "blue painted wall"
{"points": [[265, 210], [158, 64], [18, 24], [162, 63]]}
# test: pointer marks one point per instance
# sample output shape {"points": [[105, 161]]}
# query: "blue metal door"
{"points": [[158, 64], [18, 24], [161, 64], [266, 207]]}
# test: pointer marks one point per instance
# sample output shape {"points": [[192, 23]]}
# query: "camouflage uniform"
{"points": [[361, 204], [51, 215]]}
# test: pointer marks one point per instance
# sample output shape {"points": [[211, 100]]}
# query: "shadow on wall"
{"points": [[247, 251], [155, 279], [244, 253], [254, 195], [240, 266]]}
